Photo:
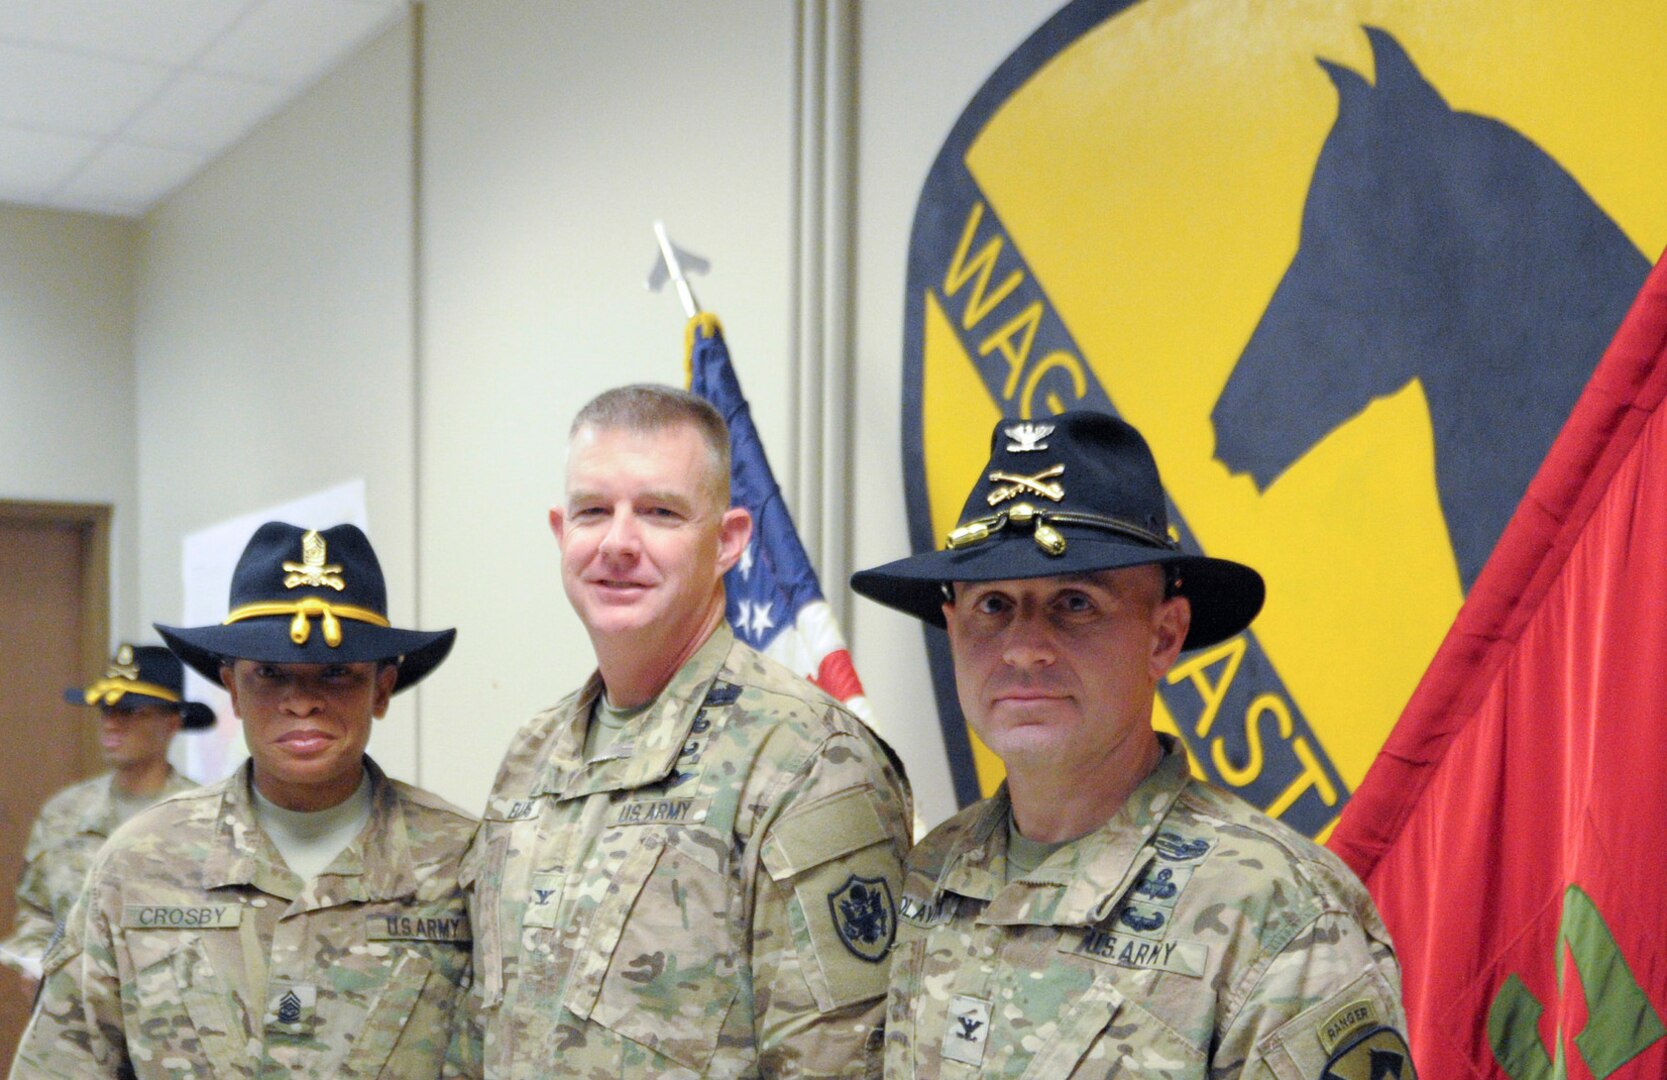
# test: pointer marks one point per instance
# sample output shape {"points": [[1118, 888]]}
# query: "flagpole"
{"points": [[674, 269]]}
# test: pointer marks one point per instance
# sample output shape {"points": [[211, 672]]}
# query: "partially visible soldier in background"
{"points": [[303, 916], [141, 703]]}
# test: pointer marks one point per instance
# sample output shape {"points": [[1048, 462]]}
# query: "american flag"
{"points": [[775, 603]]}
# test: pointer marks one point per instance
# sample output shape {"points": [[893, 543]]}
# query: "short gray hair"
{"points": [[652, 407]]}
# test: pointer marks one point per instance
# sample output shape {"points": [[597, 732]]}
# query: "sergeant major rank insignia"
{"points": [[312, 571], [123, 666], [865, 917], [292, 1007]]}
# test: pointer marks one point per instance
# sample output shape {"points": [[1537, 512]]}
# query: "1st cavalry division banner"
{"points": [[1347, 266]]}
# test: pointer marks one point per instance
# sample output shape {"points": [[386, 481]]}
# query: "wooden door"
{"points": [[54, 633]]}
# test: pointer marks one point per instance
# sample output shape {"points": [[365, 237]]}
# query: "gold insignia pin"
{"points": [[1016, 484], [123, 666], [312, 571]]}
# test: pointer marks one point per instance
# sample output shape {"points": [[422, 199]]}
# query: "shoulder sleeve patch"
{"points": [[1329, 1037], [808, 837], [846, 921]]}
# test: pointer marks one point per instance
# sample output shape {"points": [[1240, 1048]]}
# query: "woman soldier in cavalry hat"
{"points": [[302, 916]]}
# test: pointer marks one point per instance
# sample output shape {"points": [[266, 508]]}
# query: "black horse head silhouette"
{"points": [[1441, 246]]}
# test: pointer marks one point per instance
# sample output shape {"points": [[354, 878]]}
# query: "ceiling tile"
{"points": [[125, 173], [72, 93], [34, 163], [108, 105], [205, 112], [158, 31], [297, 41]]}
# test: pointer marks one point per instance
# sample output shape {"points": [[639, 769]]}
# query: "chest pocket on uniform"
{"points": [[409, 1025], [417, 970], [179, 1009], [659, 965], [1103, 1034]]}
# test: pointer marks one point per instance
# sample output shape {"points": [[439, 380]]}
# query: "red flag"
{"points": [[1514, 828]]}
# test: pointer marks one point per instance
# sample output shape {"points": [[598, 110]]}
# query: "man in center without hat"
{"points": [[302, 917], [1105, 914], [689, 866]]}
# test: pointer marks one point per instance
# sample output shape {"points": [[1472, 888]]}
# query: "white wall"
{"points": [[66, 375], [306, 315], [554, 136], [274, 337]]}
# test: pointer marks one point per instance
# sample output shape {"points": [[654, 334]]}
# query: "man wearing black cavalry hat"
{"points": [[141, 703], [1105, 913], [302, 916]]}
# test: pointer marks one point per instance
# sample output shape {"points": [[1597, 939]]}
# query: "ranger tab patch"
{"points": [[865, 916]]}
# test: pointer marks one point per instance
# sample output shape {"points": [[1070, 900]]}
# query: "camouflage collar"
{"points": [[244, 855], [99, 818], [1079, 884], [654, 752]]}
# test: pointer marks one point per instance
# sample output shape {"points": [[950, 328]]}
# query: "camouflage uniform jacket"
{"points": [[72, 826], [714, 898], [1190, 936], [196, 952]]}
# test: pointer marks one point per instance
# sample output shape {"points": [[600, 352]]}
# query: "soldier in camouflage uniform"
{"points": [[141, 703], [302, 917], [688, 867], [1106, 914]]}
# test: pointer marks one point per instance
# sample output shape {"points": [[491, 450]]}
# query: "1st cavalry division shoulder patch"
{"points": [[1379, 1054]]}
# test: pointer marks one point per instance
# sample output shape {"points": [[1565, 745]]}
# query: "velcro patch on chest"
{"points": [[180, 917], [1187, 958], [450, 926]]}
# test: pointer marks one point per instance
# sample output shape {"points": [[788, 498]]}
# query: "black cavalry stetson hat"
{"points": [[305, 597], [144, 675], [1070, 494]]}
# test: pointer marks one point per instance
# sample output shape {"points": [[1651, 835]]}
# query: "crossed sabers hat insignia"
{"points": [[1017, 485]]}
